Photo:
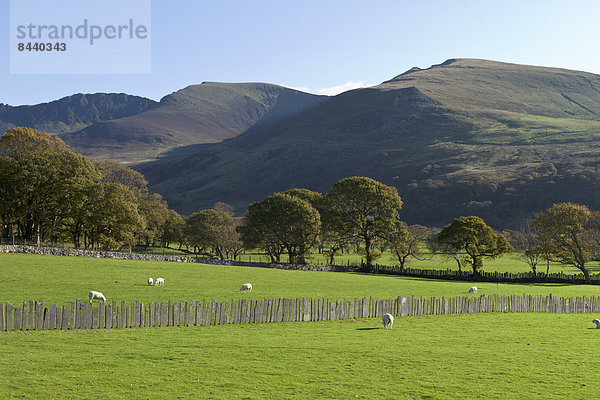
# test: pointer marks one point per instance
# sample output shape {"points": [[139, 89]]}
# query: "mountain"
{"points": [[465, 137], [206, 113], [74, 112]]}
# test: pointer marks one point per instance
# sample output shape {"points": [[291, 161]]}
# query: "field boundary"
{"points": [[32, 315], [446, 274]]}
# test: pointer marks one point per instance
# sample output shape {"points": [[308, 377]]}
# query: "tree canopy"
{"points": [[282, 222], [365, 209], [473, 236], [49, 192], [569, 229]]}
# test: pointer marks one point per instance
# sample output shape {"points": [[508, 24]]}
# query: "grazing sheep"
{"points": [[473, 289], [159, 282], [97, 296], [597, 322], [246, 287], [150, 281], [388, 320]]}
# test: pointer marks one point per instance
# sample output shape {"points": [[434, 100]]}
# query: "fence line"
{"points": [[557, 277], [32, 315]]}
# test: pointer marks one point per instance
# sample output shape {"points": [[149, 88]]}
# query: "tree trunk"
{"points": [[368, 254], [586, 274]]}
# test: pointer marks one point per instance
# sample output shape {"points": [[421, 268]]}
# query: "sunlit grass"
{"points": [[61, 280], [491, 356]]}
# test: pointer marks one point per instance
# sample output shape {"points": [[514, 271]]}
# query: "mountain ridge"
{"points": [[205, 113], [74, 112], [466, 129]]}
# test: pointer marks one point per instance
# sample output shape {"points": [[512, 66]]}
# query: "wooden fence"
{"points": [[33, 315]]}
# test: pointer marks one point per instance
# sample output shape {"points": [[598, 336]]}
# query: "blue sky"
{"points": [[323, 46]]}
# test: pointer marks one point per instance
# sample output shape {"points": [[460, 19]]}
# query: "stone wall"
{"points": [[56, 251]]}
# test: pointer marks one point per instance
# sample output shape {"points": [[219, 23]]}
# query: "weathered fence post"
{"points": [[191, 312], [23, 315], [17, 323], [151, 313], [175, 313], [164, 307], [156, 310], [306, 315], [39, 315], [199, 314], [108, 317], [243, 306], [9, 316], [102, 316], [95, 312]]}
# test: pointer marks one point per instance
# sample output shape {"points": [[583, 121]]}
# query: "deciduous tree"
{"points": [[567, 229], [367, 210], [474, 237], [213, 230], [282, 221]]}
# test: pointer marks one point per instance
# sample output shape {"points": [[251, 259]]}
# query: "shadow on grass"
{"points": [[370, 329]]}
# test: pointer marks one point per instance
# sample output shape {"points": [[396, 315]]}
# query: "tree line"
{"points": [[50, 193]]}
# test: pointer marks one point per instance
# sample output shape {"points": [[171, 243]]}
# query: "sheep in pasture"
{"points": [[473, 289], [150, 281], [159, 282], [246, 287], [97, 296], [597, 322], [388, 320]]}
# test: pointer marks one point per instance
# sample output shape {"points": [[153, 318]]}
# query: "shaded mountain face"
{"points": [[206, 113], [75, 112], [466, 137]]}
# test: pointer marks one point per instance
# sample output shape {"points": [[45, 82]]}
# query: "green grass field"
{"points": [[491, 356], [61, 280]]}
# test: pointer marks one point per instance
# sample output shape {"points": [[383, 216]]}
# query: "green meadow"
{"points": [[486, 356], [460, 356], [61, 280]]}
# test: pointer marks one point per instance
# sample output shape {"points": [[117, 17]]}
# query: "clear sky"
{"points": [[323, 45]]}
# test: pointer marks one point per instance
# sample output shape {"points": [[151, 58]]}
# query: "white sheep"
{"points": [[388, 320], [473, 289], [96, 295], [150, 281], [159, 282], [246, 287], [597, 322]]}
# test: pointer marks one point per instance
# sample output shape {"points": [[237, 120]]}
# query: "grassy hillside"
{"points": [[206, 113], [464, 137]]}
